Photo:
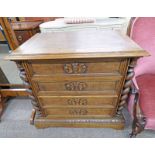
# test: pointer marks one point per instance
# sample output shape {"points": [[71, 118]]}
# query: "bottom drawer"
{"points": [[82, 112]]}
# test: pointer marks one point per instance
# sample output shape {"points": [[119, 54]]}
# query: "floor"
{"points": [[8, 67], [15, 119]]}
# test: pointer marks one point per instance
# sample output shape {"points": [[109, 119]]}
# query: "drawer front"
{"points": [[77, 101], [78, 66], [81, 85], [76, 112], [22, 36]]}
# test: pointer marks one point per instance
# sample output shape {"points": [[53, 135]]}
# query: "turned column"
{"points": [[26, 80], [138, 123], [127, 87]]}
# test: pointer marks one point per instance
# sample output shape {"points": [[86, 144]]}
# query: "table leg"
{"points": [[1, 105], [138, 124], [32, 116]]}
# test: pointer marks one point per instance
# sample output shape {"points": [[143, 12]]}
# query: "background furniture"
{"points": [[59, 25], [77, 79], [2, 38], [7, 89], [143, 33], [27, 19], [25, 30], [4, 41], [43, 19], [3, 80], [9, 33], [16, 30]]}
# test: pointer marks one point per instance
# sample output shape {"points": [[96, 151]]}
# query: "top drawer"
{"points": [[78, 66]]}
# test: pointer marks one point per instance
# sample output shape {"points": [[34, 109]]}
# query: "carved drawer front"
{"points": [[76, 112], [81, 85], [78, 66], [78, 101]]}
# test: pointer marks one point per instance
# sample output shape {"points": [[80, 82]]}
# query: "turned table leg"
{"points": [[32, 116], [2, 100], [1, 108]]}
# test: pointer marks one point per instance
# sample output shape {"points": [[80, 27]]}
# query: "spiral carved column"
{"points": [[24, 77], [127, 87]]}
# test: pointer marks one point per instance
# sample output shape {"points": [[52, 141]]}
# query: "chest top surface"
{"points": [[77, 44]]}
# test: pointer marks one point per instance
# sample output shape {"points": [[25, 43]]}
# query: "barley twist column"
{"points": [[127, 87], [24, 77]]}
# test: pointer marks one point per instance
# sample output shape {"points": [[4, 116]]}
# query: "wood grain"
{"points": [[14, 92], [25, 25], [78, 44], [77, 66], [79, 111], [76, 101], [9, 33]]}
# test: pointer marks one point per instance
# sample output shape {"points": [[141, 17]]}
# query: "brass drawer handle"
{"points": [[75, 86], [75, 68]]}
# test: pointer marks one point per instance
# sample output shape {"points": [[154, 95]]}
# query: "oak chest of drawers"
{"points": [[78, 79]]}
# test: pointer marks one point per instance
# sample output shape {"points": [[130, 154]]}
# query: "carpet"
{"points": [[15, 124]]}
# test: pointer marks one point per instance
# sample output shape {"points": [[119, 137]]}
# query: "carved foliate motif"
{"points": [[77, 101], [78, 112], [76, 86], [75, 68]]}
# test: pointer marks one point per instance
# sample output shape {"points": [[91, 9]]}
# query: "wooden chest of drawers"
{"points": [[78, 79]]}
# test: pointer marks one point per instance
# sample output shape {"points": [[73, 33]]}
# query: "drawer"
{"points": [[76, 112], [78, 101], [22, 36], [81, 85], [94, 66]]}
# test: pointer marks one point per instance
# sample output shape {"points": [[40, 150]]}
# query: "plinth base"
{"points": [[117, 122]]}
